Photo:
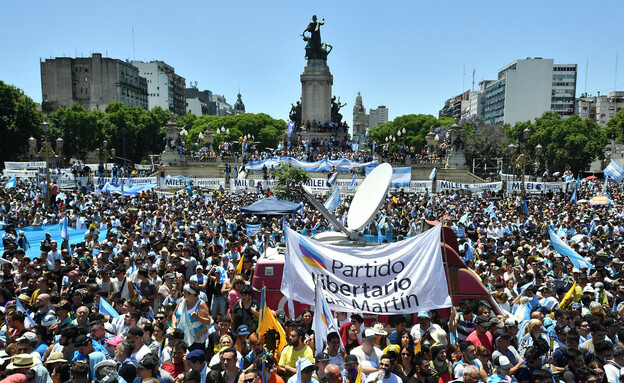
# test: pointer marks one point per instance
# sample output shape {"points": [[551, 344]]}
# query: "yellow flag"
{"points": [[358, 379], [239, 267], [417, 347], [274, 335], [567, 299], [603, 299], [394, 199]]}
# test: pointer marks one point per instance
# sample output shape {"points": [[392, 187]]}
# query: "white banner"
{"points": [[20, 173], [101, 181], [65, 180], [540, 187], [398, 278], [415, 187], [475, 188], [30, 165], [209, 183]]}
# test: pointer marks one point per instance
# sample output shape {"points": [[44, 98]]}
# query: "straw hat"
{"points": [[55, 357], [21, 361]]}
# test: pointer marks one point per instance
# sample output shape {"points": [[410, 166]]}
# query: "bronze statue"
{"points": [[315, 49], [295, 114], [336, 117]]}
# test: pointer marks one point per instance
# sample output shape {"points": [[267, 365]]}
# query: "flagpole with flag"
{"points": [[322, 323], [568, 297]]}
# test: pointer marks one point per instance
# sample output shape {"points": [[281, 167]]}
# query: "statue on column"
{"points": [[315, 48], [336, 117], [295, 114]]}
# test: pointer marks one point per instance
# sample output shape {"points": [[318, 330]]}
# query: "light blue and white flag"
{"points": [[614, 171], [331, 181], [107, 309], [185, 324], [352, 184], [401, 177], [252, 229], [28, 322], [566, 251], [290, 128], [333, 201], [11, 183], [433, 174], [574, 197], [463, 219]]}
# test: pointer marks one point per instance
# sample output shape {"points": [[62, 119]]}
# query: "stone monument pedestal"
{"points": [[316, 92]]}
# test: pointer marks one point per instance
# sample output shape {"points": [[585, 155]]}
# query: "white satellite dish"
{"points": [[369, 197]]}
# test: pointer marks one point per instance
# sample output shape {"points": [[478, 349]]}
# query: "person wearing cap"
{"points": [[172, 336], [197, 362], [86, 352], [165, 289], [481, 336], [321, 360], [106, 371], [424, 326], [199, 278], [295, 349], [503, 366], [26, 345], [368, 355], [502, 340], [307, 369]]}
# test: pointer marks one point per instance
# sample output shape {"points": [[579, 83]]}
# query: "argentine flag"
{"points": [[333, 201]]}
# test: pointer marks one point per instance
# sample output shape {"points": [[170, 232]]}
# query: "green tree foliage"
{"points": [[573, 142], [143, 130], [289, 180], [265, 129], [81, 130], [19, 120], [416, 128], [615, 127]]}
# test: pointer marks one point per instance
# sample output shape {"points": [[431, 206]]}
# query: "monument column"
{"points": [[316, 92]]}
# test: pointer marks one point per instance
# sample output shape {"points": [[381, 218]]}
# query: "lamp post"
{"points": [[104, 155], [523, 156], [46, 149]]}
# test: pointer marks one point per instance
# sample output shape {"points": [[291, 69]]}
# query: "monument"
{"points": [[316, 80], [318, 112]]}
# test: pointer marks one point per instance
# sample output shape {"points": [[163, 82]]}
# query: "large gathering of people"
{"points": [[164, 261]]}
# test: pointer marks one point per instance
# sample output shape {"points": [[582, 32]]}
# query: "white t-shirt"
{"points": [[373, 358], [380, 378]]}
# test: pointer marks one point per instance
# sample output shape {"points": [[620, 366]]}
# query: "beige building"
{"points": [[93, 82], [600, 108]]}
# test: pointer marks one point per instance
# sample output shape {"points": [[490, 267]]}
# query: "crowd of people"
{"points": [[156, 259]]}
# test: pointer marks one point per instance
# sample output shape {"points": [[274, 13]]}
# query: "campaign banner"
{"points": [[101, 181], [19, 173], [415, 187], [29, 165], [251, 185], [65, 180], [475, 188], [401, 177], [209, 183], [397, 278], [540, 187]]}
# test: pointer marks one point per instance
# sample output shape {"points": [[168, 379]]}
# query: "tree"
{"points": [[19, 120], [615, 127], [80, 130], [289, 181], [483, 141], [239, 126], [573, 142], [416, 128]]}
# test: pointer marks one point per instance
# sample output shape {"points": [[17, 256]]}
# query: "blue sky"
{"points": [[407, 55]]}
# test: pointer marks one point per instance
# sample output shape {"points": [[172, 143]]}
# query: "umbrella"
{"points": [[599, 200], [591, 178]]}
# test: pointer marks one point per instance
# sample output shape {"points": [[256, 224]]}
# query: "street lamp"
{"points": [[522, 156], [46, 149], [104, 154]]}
